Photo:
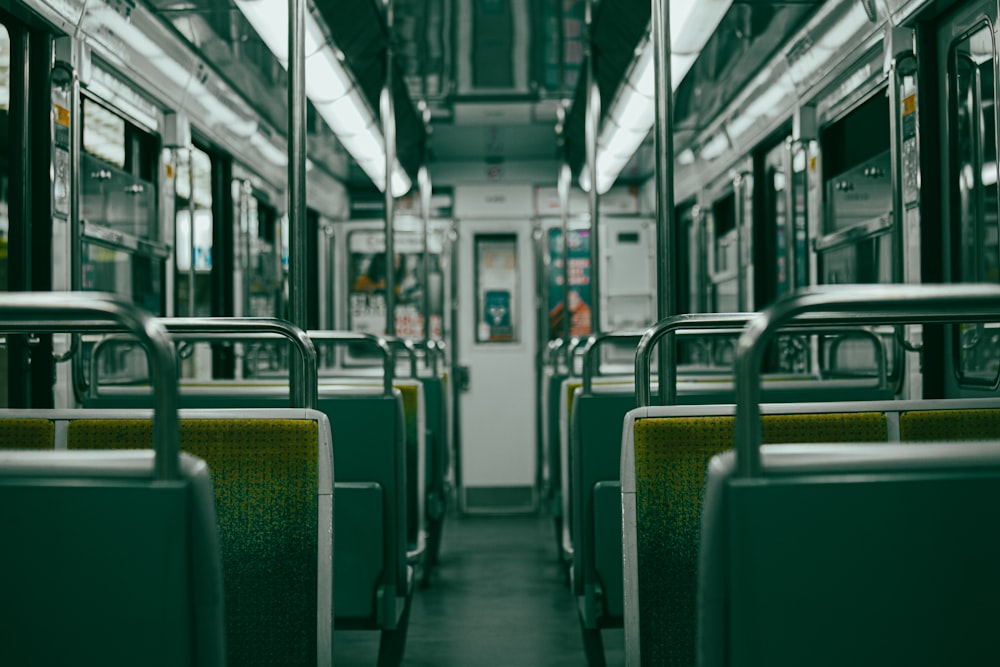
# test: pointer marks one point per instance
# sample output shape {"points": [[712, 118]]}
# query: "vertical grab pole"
{"points": [[424, 182], [75, 231], [593, 115], [664, 170], [297, 241], [565, 179], [791, 260], [387, 111], [191, 243]]}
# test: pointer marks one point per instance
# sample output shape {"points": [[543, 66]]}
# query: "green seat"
{"points": [[27, 433], [368, 428], [671, 455], [104, 564], [272, 479], [436, 494], [837, 555], [942, 424]]}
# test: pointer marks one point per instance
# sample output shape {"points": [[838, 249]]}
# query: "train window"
{"points": [[976, 245], [497, 306], [784, 195], [367, 275], [857, 242], [725, 256], [193, 242], [265, 276], [103, 133], [579, 283], [122, 251]]}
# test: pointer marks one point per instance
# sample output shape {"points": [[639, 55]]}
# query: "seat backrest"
{"points": [[415, 424], [943, 424], [671, 454], [27, 433], [369, 431], [874, 555], [106, 565], [272, 473]]}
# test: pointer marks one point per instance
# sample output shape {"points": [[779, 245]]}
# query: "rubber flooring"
{"points": [[498, 598]]}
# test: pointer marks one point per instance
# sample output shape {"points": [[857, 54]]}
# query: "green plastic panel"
{"points": [[671, 458], [265, 475]]}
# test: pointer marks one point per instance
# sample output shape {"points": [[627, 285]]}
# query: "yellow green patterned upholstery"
{"points": [[265, 475], [410, 395], [671, 458], [571, 388], [972, 424], [18, 433]]}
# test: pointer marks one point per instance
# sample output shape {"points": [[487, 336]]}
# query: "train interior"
{"points": [[499, 332]]}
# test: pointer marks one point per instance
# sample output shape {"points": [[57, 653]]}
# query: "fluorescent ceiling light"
{"points": [[632, 113], [330, 88]]}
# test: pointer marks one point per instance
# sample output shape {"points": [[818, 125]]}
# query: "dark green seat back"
{"points": [[671, 458], [265, 473]]}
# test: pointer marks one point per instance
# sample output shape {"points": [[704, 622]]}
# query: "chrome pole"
{"points": [[297, 231], [424, 182], [593, 118], [565, 180], [191, 243], [664, 169], [386, 108]]}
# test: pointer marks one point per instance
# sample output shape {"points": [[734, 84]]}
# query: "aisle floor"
{"points": [[497, 599]]}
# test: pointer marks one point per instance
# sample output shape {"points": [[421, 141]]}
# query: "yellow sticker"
{"points": [[61, 115], [170, 172], [812, 163], [909, 104]]}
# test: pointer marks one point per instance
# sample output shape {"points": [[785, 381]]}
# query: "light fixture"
{"points": [[330, 88], [632, 113]]}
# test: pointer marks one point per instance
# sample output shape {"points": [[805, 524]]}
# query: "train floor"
{"points": [[498, 598]]}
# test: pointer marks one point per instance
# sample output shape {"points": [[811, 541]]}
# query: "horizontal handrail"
{"points": [[880, 354], [233, 329], [854, 304], [592, 360], [71, 312], [702, 323], [379, 343]]}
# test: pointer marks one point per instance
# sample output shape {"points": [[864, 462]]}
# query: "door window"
{"points": [[974, 201], [497, 306]]}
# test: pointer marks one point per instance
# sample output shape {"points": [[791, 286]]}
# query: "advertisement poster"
{"points": [[496, 317], [579, 283]]}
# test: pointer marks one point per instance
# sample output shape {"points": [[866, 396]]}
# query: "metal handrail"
{"points": [[214, 329], [253, 328], [69, 312], [347, 337], [552, 349], [876, 340], [592, 361], [571, 347], [435, 352], [855, 304], [700, 323], [410, 348]]}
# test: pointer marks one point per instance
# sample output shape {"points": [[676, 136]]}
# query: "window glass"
{"points": [[497, 306], [974, 193]]}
